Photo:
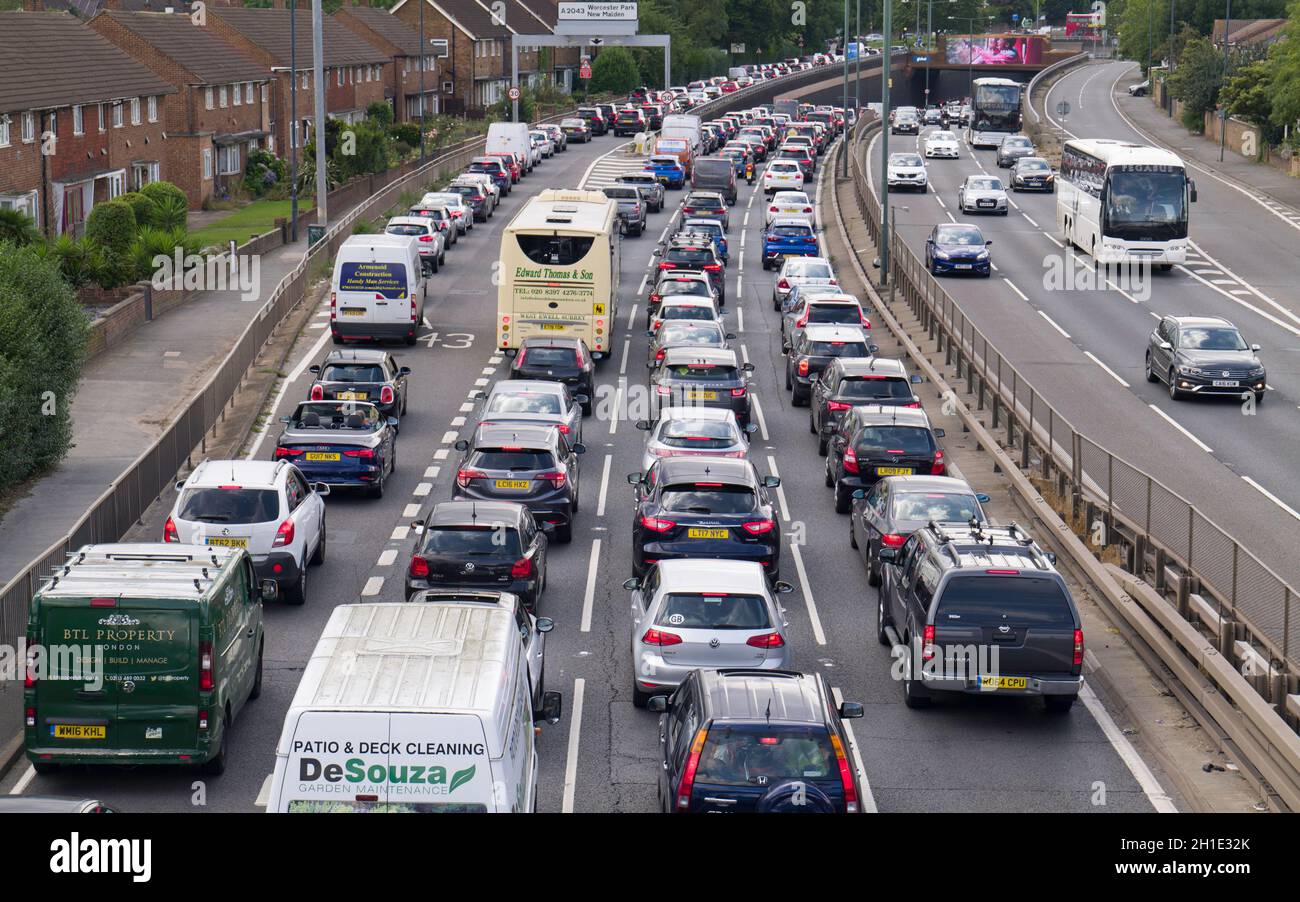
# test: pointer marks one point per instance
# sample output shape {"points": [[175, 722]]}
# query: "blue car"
{"points": [[738, 157], [957, 248], [668, 170], [340, 443], [788, 237], [714, 229]]}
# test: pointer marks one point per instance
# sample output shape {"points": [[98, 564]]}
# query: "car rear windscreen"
{"points": [[793, 231], [988, 600], [699, 435], [838, 349], [866, 389], [941, 507], [903, 439], [688, 287], [525, 402], [405, 229], [352, 372], [541, 355], [714, 612], [519, 461], [765, 755], [716, 168], [489, 539], [234, 506], [703, 372], [697, 498], [834, 313]]}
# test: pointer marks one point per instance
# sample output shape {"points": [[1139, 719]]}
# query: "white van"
{"points": [[412, 708], [513, 137], [378, 289], [683, 125], [736, 72]]}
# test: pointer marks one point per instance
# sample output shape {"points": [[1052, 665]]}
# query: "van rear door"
{"points": [[146, 696], [441, 763], [373, 292]]}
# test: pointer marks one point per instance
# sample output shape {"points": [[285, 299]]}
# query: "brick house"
{"points": [[80, 121], [402, 44], [354, 69], [477, 74], [223, 106]]}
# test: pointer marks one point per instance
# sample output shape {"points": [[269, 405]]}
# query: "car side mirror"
{"points": [[1191, 191], [270, 590], [404, 371], [1164, 346], [747, 368], [180, 485], [859, 494], [917, 379], [657, 252], [771, 482], [286, 420], [320, 488], [981, 498], [548, 529], [314, 370], [658, 704], [873, 348], [633, 584], [461, 445], [394, 422], [643, 425], [1254, 347], [634, 478], [939, 433], [545, 624], [579, 448], [988, 243], [850, 710], [552, 705], [730, 336], [581, 399], [751, 428], [887, 554], [782, 587]]}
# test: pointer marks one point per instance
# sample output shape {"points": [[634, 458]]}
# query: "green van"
{"points": [[142, 654]]}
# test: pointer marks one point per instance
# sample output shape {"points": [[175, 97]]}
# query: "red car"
{"points": [[730, 87], [512, 163]]}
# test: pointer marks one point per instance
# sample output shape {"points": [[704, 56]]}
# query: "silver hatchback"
{"points": [[694, 613]]}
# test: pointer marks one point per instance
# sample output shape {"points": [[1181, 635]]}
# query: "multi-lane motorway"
{"points": [[999, 754], [1083, 349]]}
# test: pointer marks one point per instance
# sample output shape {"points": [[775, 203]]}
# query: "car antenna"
{"points": [[768, 713], [473, 511]]}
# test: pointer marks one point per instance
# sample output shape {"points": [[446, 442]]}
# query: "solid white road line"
{"points": [[1093, 357], [1053, 324], [575, 733], [868, 801], [1013, 287], [1271, 497], [780, 490], [24, 781], [590, 594], [1180, 427], [1150, 786], [604, 486], [758, 413], [806, 590]]}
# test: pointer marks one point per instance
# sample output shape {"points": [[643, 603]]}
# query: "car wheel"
{"points": [[788, 383], [1174, 393], [1005, 212], [821, 447], [830, 479], [1259, 397], [216, 765], [1151, 375], [913, 695], [256, 691], [318, 556], [297, 594], [336, 339], [812, 427], [565, 533], [1059, 704], [843, 500], [881, 623], [45, 768]]}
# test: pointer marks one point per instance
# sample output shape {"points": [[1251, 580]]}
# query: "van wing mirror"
{"points": [[771, 482], [320, 488], [552, 706], [270, 590], [461, 445], [658, 704], [1191, 191], [888, 554], [850, 710]]}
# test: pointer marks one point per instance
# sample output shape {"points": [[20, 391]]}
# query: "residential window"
{"points": [[142, 174], [4, 130], [228, 159], [29, 128], [253, 145], [54, 122], [207, 98], [117, 115], [26, 203], [265, 89], [340, 72], [101, 116], [248, 93], [135, 110], [78, 121], [207, 164], [238, 97], [304, 81], [116, 185], [153, 108], [406, 64], [222, 96]]}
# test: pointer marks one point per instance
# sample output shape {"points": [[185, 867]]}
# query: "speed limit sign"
{"points": [[665, 97], [513, 93]]}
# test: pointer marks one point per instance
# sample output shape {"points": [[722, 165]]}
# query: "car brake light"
{"points": [[464, 476], [170, 533], [803, 320], [687, 784], [1078, 648], [783, 284], [836, 406], [914, 404], [927, 639], [665, 265], [660, 354], [1003, 572], [846, 776], [767, 640], [281, 453], [807, 209], [522, 569], [803, 367], [738, 392], [284, 535], [426, 238], [318, 393], [937, 468], [758, 527], [556, 477], [660, 638], [712, 267], [419, 568], [893, 540], [850, 460], [206, 682], [386, 395], [363, 453], [563, 427], [663, 390], [657, 524]]}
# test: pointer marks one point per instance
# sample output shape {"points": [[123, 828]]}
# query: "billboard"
{"points": [[1085, 25], [994, 50]]}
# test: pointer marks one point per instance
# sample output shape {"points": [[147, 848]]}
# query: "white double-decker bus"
{"points": [[995, 111], [1124, 203], [558, 271]]}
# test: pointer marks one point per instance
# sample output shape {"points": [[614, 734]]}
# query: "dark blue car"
{"points": [[668, 170], [738, 157], [957, 248], [340, 443], [788, 238], [713, 228]]}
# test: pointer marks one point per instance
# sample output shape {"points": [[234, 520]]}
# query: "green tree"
{"points": [[1284, 62], [17, 227], [42, 345], [111, 225], [145, 210], [1196, 79], [1144, 31], [172, 205], [614, 71], [1248, 94], [381, 112]]}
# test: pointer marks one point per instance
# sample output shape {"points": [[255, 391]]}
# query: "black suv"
{"points": [[736, 740], [710, 507], [529, 465], [980, 610], [1203, 355], [595, 120], [849, 381], [702, 377], [813, 351], [872, 442], [479, 545], [566, 360]]}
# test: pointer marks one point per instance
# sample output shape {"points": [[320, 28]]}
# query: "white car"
{"points": [[481, 180], [684, 307], [455, 204], [982, 194], [782, 175], [802, 271], [942, 144], [907, 170], [790, 204], [542, 141], [432, 243], [264, 506], [693, 432]]}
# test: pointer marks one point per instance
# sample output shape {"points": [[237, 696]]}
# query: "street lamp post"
{"points": [[886, 74], [293, 123], [1169, 101], [1223, 110], [857, 76], [845, 48], [423, 47]]}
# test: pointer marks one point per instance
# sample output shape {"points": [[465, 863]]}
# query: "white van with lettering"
{"points": [[378, 289], [412, 708]]}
